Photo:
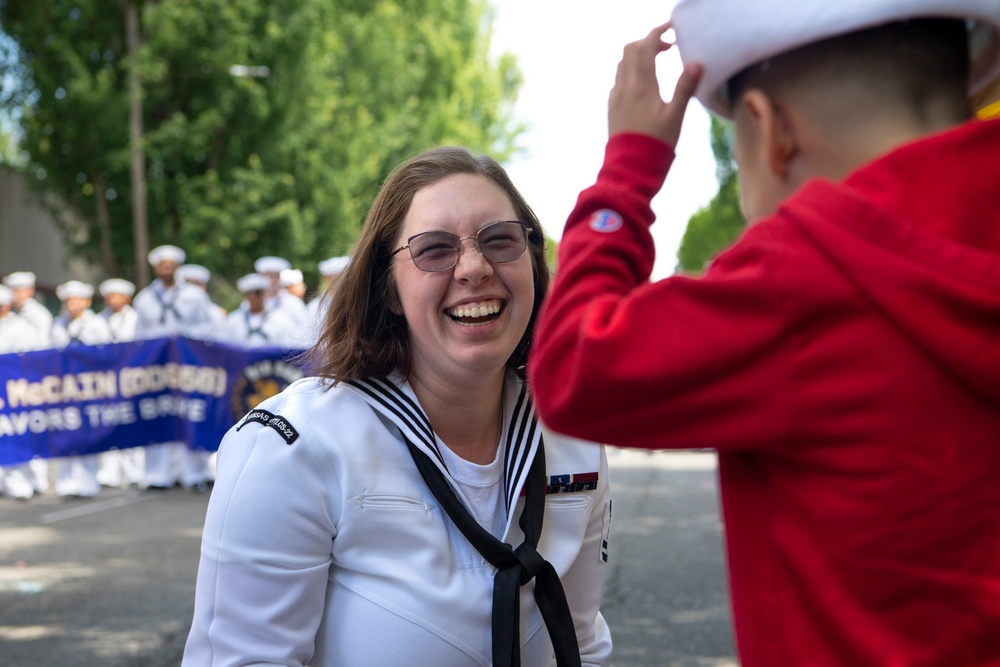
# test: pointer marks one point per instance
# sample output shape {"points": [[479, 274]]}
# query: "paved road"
{"points": [[110, 581], [666, 599]]}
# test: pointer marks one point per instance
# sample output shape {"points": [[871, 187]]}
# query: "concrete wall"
{"points": [[29, 240]]}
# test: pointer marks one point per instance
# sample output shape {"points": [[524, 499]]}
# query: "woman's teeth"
{"points": [[475, 311]]}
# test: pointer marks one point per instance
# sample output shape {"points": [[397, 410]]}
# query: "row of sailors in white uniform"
{"points": [[34, 328], [176, 303]]}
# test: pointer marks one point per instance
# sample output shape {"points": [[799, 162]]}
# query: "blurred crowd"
{"points": [[272, 313]]}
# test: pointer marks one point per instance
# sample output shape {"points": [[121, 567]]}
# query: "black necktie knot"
{"points": [[515, 567], [531, 562]]}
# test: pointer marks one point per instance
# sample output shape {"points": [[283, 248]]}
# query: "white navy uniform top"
{"points": [[183, 309], [323, 546], [17, 335], [269, 328], [88, 329], [216, 321], [123, 323], [316, 312], [38, 316], [291, 305]]}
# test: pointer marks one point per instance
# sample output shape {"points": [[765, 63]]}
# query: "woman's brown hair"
{"points": [[362, 336]]}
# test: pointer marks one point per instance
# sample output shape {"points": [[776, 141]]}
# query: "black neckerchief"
{"points": [[260, 328], [515, 567], [167, 306]]}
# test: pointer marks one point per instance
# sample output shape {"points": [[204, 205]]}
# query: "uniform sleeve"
{"points": [[229, 331], [97, 331], [266, 552], [202, 318], [618, 359]]}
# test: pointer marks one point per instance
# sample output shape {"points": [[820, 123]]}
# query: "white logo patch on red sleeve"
{"points": [[606, 221]]}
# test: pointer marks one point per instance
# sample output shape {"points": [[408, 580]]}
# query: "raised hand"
{"points": [[635, 104]]}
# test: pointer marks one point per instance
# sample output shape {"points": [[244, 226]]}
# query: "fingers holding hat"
{"points": [[635, 104], [684, 90]]}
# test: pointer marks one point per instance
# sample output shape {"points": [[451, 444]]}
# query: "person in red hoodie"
{"points": [[843, 355]]}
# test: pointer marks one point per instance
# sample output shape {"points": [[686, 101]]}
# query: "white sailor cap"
{"points": [[290, 277], [727, 36], [253, 281], [169, 253], [271, 265], [74, 289], [195, 272], [333, 265], [116, 286], [6, 296], [20, 279]]}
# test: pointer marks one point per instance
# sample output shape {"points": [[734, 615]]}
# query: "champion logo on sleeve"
{"points": [[606, 221], [277, 422]]}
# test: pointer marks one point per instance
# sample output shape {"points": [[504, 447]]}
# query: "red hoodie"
{"points": [[843, 357]]}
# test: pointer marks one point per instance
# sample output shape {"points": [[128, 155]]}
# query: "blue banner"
{"points": [[87, 399]]}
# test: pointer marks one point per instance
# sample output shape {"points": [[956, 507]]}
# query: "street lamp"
{"points": [[140, 224]]}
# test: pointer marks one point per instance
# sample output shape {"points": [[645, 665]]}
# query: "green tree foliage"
{"points": [[9, 152], [717, 225], [240, 167]]}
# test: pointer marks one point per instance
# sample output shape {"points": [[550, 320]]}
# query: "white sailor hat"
{"points": [[727, 36], [116, 286], [271, 265], [290, 277], [6, 296], [253, 281], [166, 253], [20, 279], [333, 265], [74, 289], [195, 272]]}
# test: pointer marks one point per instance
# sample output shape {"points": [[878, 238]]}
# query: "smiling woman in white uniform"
{"points": [[326, 544]]}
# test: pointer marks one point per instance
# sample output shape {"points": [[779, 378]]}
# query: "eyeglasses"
{"points": [[499, 242]]}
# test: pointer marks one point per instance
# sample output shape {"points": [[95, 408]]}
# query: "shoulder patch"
{"points": [[606, 221], [277, 422]]}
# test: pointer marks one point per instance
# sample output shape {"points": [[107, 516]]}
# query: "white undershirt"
{"points": [[481, 485]]}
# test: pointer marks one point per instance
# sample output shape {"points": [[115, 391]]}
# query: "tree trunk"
{"points": [[108, 258]]}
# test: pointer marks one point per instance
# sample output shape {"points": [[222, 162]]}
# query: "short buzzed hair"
{"points": [[919, 66]]}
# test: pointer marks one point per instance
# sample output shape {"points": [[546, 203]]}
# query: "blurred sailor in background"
{"points": [[291, 292], [126, 466], [316, 310], [17, 336], [76, 475], [198, 275], [24, 304], [271, 268], [118, 311], [169, 308], [254, 324]]}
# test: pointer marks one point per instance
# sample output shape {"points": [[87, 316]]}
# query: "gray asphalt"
{"points": [[110, 581]]}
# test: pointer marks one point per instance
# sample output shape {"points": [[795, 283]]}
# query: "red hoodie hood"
{"points": [[918, 232]]}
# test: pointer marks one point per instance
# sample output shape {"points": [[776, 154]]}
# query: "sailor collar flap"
{"points": [[394, 401]]}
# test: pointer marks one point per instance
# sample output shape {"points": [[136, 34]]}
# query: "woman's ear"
{"points": [[775, 129]]}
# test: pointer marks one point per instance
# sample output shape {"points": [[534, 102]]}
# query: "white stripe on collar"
{"points": [[394, 400]]}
